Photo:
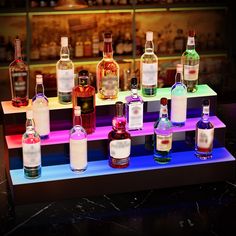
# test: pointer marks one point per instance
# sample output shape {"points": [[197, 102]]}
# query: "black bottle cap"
{"points": [[83, 73], [133, 81], [206, 102], [164, 101]]}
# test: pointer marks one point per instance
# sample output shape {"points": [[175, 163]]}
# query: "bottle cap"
{"points": [[191, 33], [64, 41], [179, 68], [133, 81], [83, 73], [164, 101], [77, 111], [29, 114], [149, 36], [39, 79], [206, 102]]}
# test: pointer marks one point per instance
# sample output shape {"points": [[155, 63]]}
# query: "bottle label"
{"points": [[31, 154], [205, 138], [110, 85], [78, 153], [19, 82], [120, 148], [41, 119], [163, 143], [86, 104], [135, 115], [206, 110], [191, 41], [191, 72], [149, 74], [178, 108], [65, 80], [163, 110]]}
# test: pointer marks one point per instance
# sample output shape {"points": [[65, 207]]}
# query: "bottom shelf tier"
{"points": [[59, 182]]}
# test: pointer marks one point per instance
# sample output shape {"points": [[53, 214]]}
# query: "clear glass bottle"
{"points": [[149, 68], [107, 71], [78, 144], [190, 60], [178, 99], [41, 109], [163, 135], [119, 140], [84, 96], [65, 74], [19, 78], [204, 133], [31, 149], [134, 108]]}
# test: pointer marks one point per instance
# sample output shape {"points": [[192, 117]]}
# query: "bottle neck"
{"points": [[190, 43], [65, 53], [39, 89], [179, 77], [77, 120], [29, 124], [149, 47], [205, 113], [107, 50], [134, 92], [163, 111], [17, 50]]}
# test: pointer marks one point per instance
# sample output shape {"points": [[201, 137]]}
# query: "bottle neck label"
{"points": [[163, 143], [65, 80], [191, 72], [31, 154], [191, 41], [205, 138], [206, 110], [163, 111], [120, 148], [86, 103], [135, 115], [149, 74]]}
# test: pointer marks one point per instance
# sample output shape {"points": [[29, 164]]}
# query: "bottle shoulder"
{"points": [[149, 56], [30, 137], [78, 131], [191, 54], [40, 100], [204, 124], [163, 124], [116, 135], [179, 89], [64, 64], [18, 65]]}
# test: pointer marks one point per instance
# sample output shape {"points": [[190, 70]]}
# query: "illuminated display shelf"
{"points": [[101, 133], [59, 182], [203, 91]]}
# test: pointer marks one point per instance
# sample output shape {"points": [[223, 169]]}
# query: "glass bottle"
{"points": [[149, 68], [179, 41], [190, 60], [41, 109], [134, 108], [107, 71], [119, 140], [178, 99], [204, 133], [19, 78], [65, 74], [78, 144], [31, 149], [95, 40], [163, 135], [79, 48], [84, 96]]}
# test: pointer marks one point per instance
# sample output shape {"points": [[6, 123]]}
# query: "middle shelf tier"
{"points": [[101, 133]]}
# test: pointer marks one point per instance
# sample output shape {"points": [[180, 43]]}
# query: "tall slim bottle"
{"points": [[178, 99], [65, 74], [41, 109], [119, 140], [107, 71], [163, 135], [19, 78], [190, 60], [204, 133], [78, 144], [31, 149], [149, 68]]}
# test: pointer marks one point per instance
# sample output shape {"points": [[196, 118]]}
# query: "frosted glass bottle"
{"points": [[78, 144]]}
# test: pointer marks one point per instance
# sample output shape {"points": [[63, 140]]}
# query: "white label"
{"points": [[78, 154], [205, 138], [41, 119], [191, 41], [163, 143], [149, 74], [135, 115], [206, 110], [65, 80], [178, 108], [120, 148], [31, 154], [191, 72]]}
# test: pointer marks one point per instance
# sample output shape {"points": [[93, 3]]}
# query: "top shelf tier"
{"points": [[203, 91]]}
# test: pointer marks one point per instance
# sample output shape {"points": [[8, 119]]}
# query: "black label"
{"points": [[86, 104]]}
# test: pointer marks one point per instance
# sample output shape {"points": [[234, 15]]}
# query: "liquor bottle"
{"points": [[31, 149], [178, 99], [88, 47], [19, 77], [204, 133], [149, 68], [95, 40], [163, 135], [65, 74], [79, 48], [41, 109], [179, 41], [78, 144], [190, 60], [84, 96], [134, 108], [107, 71], [119, 140]]}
